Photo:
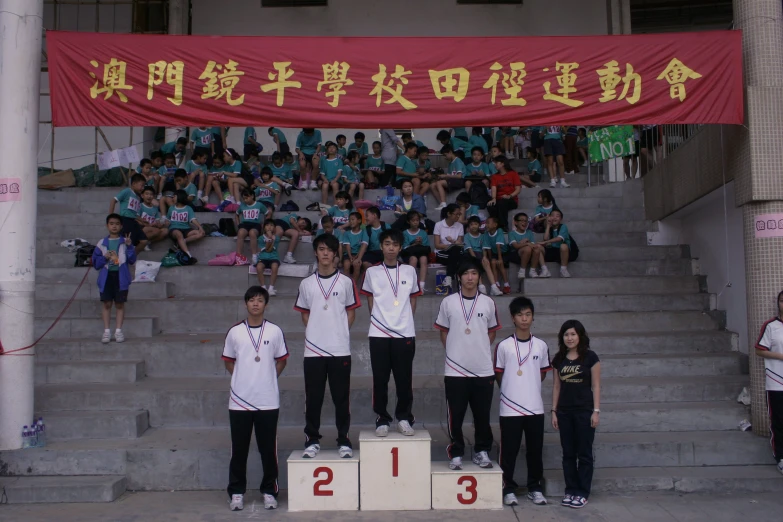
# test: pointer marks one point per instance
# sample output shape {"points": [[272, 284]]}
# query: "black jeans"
{"points": [[576, 439], [392, 356], [451, 258], [775, 404], [337, 370], [500, 210], [242, 425], [475, 392], [511, 431], [388, 175]]}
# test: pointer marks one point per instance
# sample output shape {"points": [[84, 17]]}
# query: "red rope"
{"points": [[67, 305]]}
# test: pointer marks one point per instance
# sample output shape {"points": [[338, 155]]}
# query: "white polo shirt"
{"points": [[468, 354], [254, 383], [520, 395], [386, 319], [771, 339], [327, 299], [443, 230]]}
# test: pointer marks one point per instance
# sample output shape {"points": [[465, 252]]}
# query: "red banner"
{"points": [[150, 80]]}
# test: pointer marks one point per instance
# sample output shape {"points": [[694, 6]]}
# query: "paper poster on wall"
{"points": [[769, 225], [108, 159], [610, 142], [129, 155]]}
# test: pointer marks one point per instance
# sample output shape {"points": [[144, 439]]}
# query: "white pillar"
{"points": [[20, 78], [178, 16]]}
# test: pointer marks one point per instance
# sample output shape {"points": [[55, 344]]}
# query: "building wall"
{"points": [[704, 227]]}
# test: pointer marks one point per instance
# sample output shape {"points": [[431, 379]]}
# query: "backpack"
{"points": [[227, 227], [479, 195], [84, 255], [209, 228]]}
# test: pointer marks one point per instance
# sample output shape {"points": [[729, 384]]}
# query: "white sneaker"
{"points": [[563, 183], [441, 206], [313, 185], [533, 273], [482, 289], [345, 452], [159, 197], [252, 270], [271, 290], [780, 466], [571, 172], [545, 272], [553, 183], [270, 502], [119, 336], [564, 272], [510, 499], [382, 431], [204, 199], [405, 428], [481, 459], [537, 498], [521, 273], [311, 451], [495, 290], [447, 281], [148, 248], [289, 259], [237, 503], [106, 339], [455, 463], [421, 287]]}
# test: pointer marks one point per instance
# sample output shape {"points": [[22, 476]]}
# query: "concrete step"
{"points": [[634, 253], [612, 285], [83, 327], [632, 404], [61, 292], [59, 489], [89, 424], [739, 479], [88, 371]]}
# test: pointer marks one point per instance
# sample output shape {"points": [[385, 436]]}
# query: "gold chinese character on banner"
{"points": [[676, 73], [609, 78], [221, 81], [280, 81], [172, 73], [336, 78], [113, 80], [443, 83], [393, 87], [567, 82], [512, 83]]}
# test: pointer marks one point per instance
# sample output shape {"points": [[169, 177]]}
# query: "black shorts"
{"points": [[111, 289], [492, 255], [512, 256], [249, 149], [455, 183], [536, 141], [251, 226], [552, 255], [373, 257], [535, 177], [649, 138], [415, 251], [132, 227], [284, 148], [554, 147], [268, 262], [185, 232], [345, 255], [282, 224], [308, 159]]}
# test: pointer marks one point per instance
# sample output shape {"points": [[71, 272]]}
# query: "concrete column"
{"points": [[178, 24], [618, 15], [21, 27], [759, 185]]}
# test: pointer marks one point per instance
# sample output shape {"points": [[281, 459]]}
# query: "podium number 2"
{"points": [[395, 461], [470, 487], [317, 491]]}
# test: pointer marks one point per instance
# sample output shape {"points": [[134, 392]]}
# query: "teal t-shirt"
{"points": [[544, 210], [266, 196], [332, 168], [283, 171], [461, 132], [426, 165], [130, 203], [337, 233], [280, 136], [406, 164], [263, 241], [487, 130], [180, 218], [478, 141], [293, 166], [534, 166], [169, 148], [251, 213], [308, 144], [482, 169], [350, 174], [250, 132], [362, 151], [514, 236], [471, 211], [192, 190], [167, 172], [340, 217], [354, 240], [561, 231], [474, 243], [374, 164], [409, 238], [457, 168], [150, 182], [191, 166], [373, 238], [458, 143], [114, 245], [491, 241], [553, 133], [341, 152], [201, 138], [149, 214], [235, 167]]}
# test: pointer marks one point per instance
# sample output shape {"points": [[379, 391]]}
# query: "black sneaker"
{"points": [[313, 207], [578, 502], [567, 500], [287, 190]]}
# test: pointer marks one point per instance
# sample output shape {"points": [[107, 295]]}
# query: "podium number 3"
{"points": [[317, 491], [395, 461], [470, 487]]}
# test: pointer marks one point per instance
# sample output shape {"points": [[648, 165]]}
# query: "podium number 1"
{"points": [[317, 491], [470, 487], [395, 461]]}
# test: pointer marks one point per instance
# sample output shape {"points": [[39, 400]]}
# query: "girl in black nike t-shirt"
{"points": [[576, 400]]}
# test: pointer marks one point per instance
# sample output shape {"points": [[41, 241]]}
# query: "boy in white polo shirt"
{"points": [[255, 354], [521, 363], [467, 322], [327, 301], [391, 289], [770, 348]]}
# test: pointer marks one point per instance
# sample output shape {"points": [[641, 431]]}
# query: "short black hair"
{"points": [[329, 240], [411, 145], [113, 216], [138, 178], [391, 233], [476, 131], [182, 197], [374, 211], [406, 135], [443, 135], [450, 209], [308, 223], [358, 136], [169, 156], [156, 154], [255, 291], [198, 154], [356, 215], [148, 189], [558, 211], [340, 136], [412, 214], [446, 149], [266, 170], [474, 219], [477, 148], [247, 192], [469, 263], [145, 161], [519, 215], [276, 155], [406, 180], [327, 219], [531, 150], [421, 150], [494, 219], [180, 173], [352, 155], [378, 142], [182, 140], [519, 304]]}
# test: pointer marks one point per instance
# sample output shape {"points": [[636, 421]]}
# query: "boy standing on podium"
{"points": [[467, 321], [391, 289]]}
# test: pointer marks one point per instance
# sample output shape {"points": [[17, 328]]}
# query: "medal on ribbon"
{"points": [[521, 360], [327, 293], [394, 287], [256, 343], [468, 314]]}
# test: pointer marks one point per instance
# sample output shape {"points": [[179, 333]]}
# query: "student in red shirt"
{"points": [[505, 186]]}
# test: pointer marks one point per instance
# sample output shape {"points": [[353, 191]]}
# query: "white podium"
{"points": [[469, 488], [395, 471], [325, 483]]}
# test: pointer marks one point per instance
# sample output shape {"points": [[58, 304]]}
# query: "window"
{"points": [[468, 2], [293, 3], [150, 16]]}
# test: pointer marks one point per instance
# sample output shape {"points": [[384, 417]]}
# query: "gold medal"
{"points": [[519, 372], [258, 359], [467, 331], [396, 303]]}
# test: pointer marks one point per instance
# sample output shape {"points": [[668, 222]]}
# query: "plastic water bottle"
{"points": [[378, 202], [26, 438], [41, 427]]}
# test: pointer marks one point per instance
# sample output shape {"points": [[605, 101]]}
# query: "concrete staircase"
{"points": [[151, 414]]}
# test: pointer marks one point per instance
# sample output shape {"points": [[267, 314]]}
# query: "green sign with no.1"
{"points": [[610, 142]]}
